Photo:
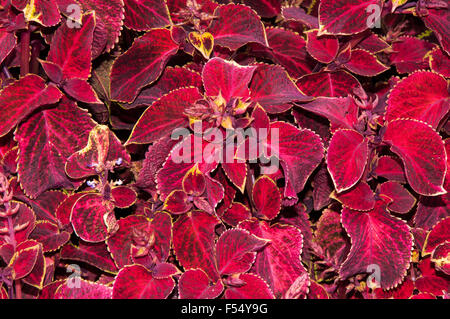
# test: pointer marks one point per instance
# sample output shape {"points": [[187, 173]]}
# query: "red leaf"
{"points": [[236, 213], [274, 89], [36, 277], [120, 243], [437, 235], [440, 257], [88, 218], [195, 284], [154, 160], [182, 158], [226, 78], [103, 147], [416, 143], [22, 97], [347, 157], [144, 15], [96, 255], [136, 282], [345, 17], [109, 16], [46, 140], [390, 168], [237, 173], [379, 241], [123, 196], [398, 198], [422, 96], [289, 50], [440, 62], [164, 116], [49, 235], [254, 288], [323, 48], [64, 210], [435, 19], [328, 84], [341, 112], [193, 242], [24, 258], [81, 91], [236, 251], [279, 263], [265, 8], [86, 290], [71, 49], [129, 74], [44, 12], [177, 202], [266, 196], [173, 78], [409, 54], [8, 41], [244, 28], [364, 63], [330, 237], [299, 15], [359, 197]]}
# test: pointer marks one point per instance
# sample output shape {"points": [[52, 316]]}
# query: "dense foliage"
{"points": [[224, 149]]}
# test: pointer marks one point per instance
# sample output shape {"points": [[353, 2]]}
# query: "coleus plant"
{"points": [[224, 149]]}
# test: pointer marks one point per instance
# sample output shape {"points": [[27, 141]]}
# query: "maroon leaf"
{"points": [[347, 158], [49, 235], [120, 243], [359, 197], [94, 254], [88, 215], [109, 16], [274, 89], [422, 152], [102, 148], [323, 48], [440, 62], [226, 78], [40, 11], [409, 54], [437, 235], [330, 237], [244, 28], [279, 263], [422, 96], [254, 288], [236, 251], [8, 41], [236, 213], [81, 91], [266, 196], [164, 116], [398, 198], [86, 290], [440, 257], [129, 74], [329, 84], [195, 284], [173, 78], [289, 50], [71, 49], [136, 282], [379, 241], [193, 242], [24, 258], [144, 15], [22, 97], [435, 19], [265, 8], [390, 168], [123, 196], [346, 17], [364, 63], [46, 140]]}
